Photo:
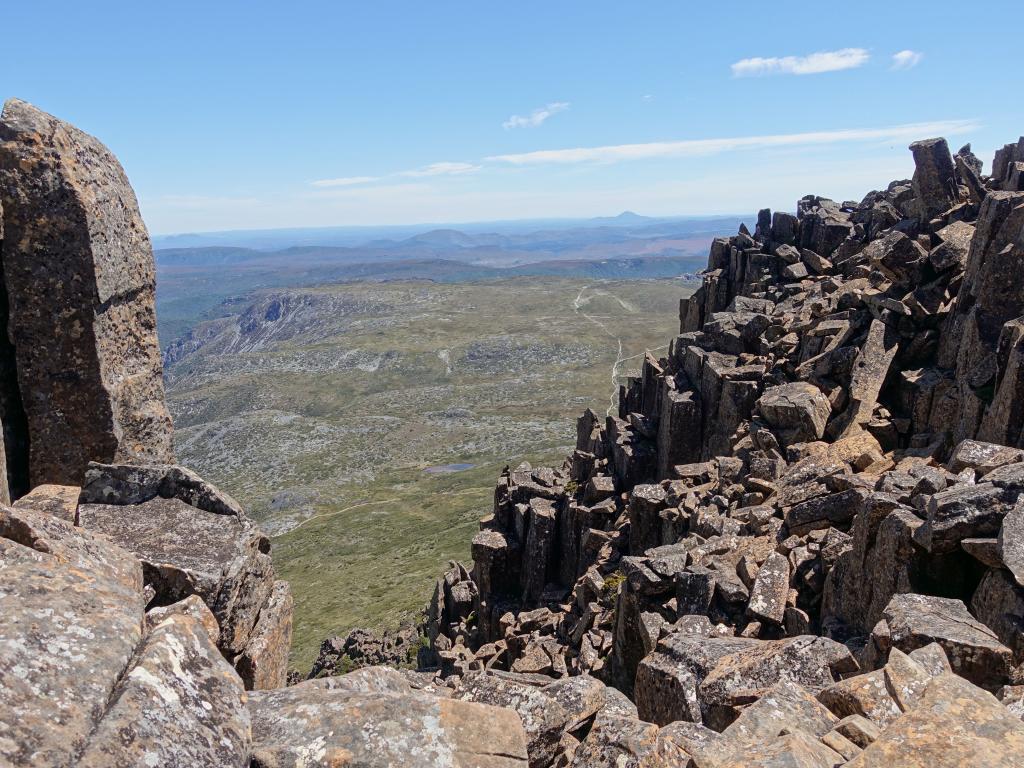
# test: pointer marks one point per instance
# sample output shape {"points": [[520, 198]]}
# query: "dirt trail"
{"points": [[578, 303]]}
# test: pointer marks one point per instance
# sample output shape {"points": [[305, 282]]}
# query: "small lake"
{"points": [[445, 468]]}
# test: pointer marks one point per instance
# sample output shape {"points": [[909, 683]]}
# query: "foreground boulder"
{"points": [[71, 613], [78, 268], [310, 725], [952, 724]]}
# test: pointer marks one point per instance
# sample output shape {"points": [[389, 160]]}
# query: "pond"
{"points": [[445, 468]]}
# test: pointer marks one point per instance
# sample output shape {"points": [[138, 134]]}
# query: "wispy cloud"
{"points": [[345, 181], [812, 64], [703, 147], [441, 169], [537, 117], [434, 169], [906, 59]]}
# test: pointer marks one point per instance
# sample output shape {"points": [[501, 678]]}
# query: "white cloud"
{"points": [[442, 169], [537, 117], [813, 64], [346, 181], [704, 147], [434, 169], [906, 59]]}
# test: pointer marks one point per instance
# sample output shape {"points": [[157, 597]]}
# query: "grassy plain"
{"points": [[321, 408]]}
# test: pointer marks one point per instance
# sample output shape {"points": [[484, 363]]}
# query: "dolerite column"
{"points": [[78, 267]]}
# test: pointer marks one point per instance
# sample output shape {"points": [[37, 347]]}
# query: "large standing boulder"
{"points": [[78, 267], [934, 177]]}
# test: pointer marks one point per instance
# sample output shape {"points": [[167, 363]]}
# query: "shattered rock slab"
{"points": [[186, 551]]}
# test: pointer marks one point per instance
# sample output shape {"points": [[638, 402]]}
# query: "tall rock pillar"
{"points": [[79, 275]]}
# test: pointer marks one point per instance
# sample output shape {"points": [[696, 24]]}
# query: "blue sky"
{"points": [[255, 114]]}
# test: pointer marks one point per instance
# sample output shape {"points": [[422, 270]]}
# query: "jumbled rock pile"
{"points": [[801, 539]]}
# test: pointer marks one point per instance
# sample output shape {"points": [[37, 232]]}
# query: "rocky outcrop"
{"points": [[809, 506], [80, 285]]}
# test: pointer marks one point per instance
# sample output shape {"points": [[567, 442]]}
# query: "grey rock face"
{"points": [[135, 484], [179, 705], [73, 239], [306, 725], [798, 411], [934, 181], [973, 650], [70, 618]]}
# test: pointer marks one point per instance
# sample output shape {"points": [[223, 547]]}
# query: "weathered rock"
{"points": [[543, 718], [973, 650], [964, 512], [57, 500], [737, 679], [135, 484], [264, 661], [70, 618], [798, 411], [690, 677], [934, 178], [1011, 543], [620, 742], [982, 457], [581, 697], [865, 695], [905, 679], [192, 607], [310, 726], [771, 590], [187, 551], [74, 240], [953, 724], [786, 706], [858, 730], [999, 605], [180, 704]]}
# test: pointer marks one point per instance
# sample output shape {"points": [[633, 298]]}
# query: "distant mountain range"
{"points": [[475, 232], [203, 273]]}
